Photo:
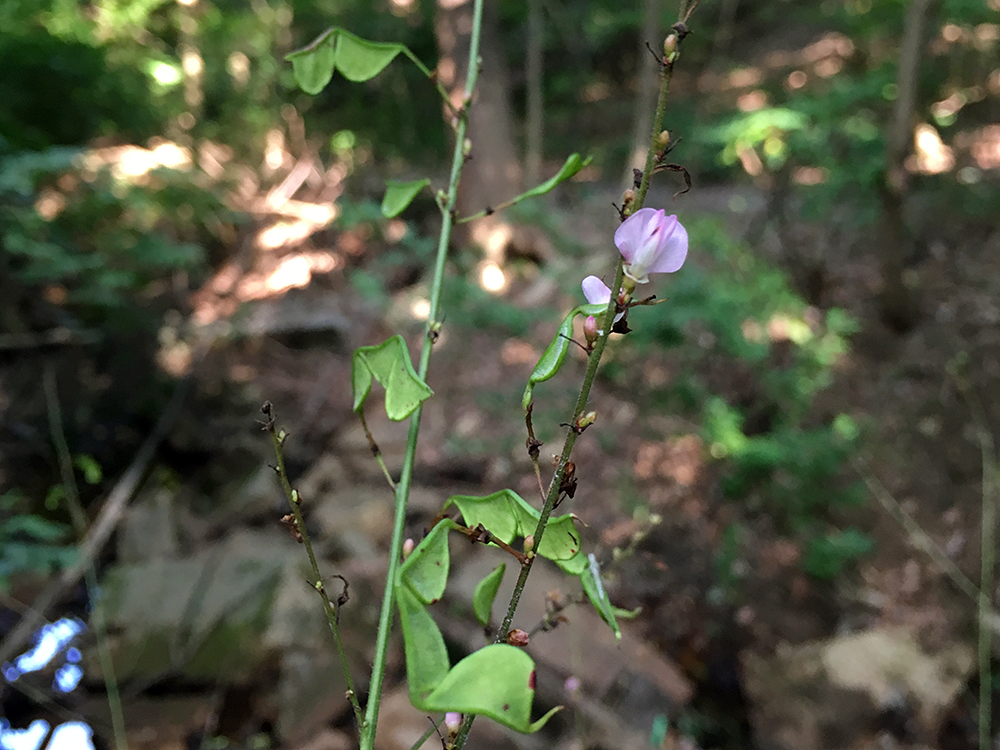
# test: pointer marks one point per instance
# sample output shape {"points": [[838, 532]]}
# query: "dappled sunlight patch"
{"points": [[679, 459], [132, 164], [492, 278], [420, 308], [50, 204], [752, 101], [810, 175], [784, 327], [518, 352], [985, 147], [931, 154]]}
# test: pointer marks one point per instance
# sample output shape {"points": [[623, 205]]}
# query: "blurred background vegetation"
{"points": [[162, 181]]}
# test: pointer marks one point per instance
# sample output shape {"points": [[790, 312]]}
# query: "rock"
{"points": [[230, 614], [149, 529], [829, 694]]}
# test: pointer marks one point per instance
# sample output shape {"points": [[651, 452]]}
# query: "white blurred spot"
{"points": [[492, 278], [420, 309]]}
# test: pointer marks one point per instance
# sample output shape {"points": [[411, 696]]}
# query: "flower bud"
{"points": [[663, 139], [670, 47], [452, 722], [408, 546], [628, 198], [529, 543], [586, 420], [517, 637], [466, 147], [590, 331]]}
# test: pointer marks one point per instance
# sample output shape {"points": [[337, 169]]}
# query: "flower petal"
{"points": [[673, 250], [634, 232], [596, 291]]}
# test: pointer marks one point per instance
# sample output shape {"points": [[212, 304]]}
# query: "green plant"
{"points": [[31, 542], [498, 680]]}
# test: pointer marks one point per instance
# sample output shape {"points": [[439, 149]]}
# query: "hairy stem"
{"points": [[406, 475], [607, 320]]}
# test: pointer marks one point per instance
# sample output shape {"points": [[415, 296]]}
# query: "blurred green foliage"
{"points": [[754, 357], [108, 240], [30, 542]]}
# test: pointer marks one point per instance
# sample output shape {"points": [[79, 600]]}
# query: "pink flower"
{"points": [[452, 722], [597, 293], [650, 242]]}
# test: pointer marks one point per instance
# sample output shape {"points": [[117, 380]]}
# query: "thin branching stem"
{"points": [[79, 518], [368, 727], [278, 438], [607, 320]]}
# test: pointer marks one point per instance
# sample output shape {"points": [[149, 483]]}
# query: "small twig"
{"points": [[377, 452], [917, 535], [533, 445], [79, 517], [483, 535], [294, 501], [427, 735]]}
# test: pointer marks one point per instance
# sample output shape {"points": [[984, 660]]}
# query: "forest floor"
{"points": [[731, 662]]}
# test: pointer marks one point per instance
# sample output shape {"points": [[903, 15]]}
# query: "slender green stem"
{"points": [[294, 501], [79, 518], [406, 474], [594, 361]]}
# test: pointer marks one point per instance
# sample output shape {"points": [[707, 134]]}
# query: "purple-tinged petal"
{"points": [[634, 232], [596, 291], [673, 252]]}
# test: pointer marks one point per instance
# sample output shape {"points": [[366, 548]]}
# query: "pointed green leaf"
{"points": [[573, 164], [389, 363], [497, 681], [425, 571], [486, 593], [495, 512], [592, 586], [313, 65], [359, 59], [553, 357], [399, 195], [426, 655], [506, 515]]}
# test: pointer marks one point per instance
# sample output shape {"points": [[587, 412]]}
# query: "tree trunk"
{"points": [[533, 77], [645, 102], [493, 174], [898, 306]]}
